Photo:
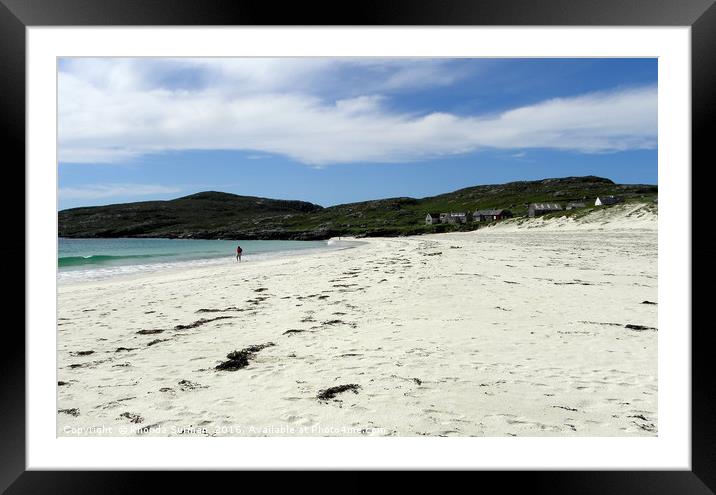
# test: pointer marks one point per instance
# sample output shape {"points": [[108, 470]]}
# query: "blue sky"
{"points": [[332, 131]]}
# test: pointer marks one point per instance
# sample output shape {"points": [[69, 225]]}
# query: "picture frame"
{"points": [[17, 15]]}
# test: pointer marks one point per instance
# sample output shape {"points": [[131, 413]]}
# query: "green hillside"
{"points": [[200, 214], [213, 215]]}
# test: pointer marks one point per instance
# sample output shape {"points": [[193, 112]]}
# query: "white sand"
{"points": [[511, 330]]}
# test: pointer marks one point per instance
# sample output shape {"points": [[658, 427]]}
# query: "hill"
{"points": [[198, 215], [214, 215]]}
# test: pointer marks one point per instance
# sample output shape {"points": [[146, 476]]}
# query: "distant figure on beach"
{"points": [[238, 253]]}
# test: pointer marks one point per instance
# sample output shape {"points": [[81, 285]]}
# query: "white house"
{"points": [[432, 218], [608, 200]]}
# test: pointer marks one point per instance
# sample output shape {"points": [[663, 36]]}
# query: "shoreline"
{"points": [[157, 268], [632, 216], [500, 332]]}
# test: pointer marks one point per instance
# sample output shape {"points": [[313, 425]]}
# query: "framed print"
{"points": [[417, 238]]}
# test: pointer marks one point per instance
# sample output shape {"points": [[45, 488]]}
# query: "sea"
{"points": [[92, 259]]}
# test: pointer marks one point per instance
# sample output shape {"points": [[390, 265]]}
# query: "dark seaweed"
{"points": [[133, 418], [149, 332], [240, 359], [638, 327], [83, 353], [200, 322], [330, 393]]}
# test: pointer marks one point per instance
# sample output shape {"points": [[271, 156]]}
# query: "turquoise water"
{"points": [[96, 258]]}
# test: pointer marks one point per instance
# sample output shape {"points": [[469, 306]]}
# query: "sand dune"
{"points": [[516, 330]]}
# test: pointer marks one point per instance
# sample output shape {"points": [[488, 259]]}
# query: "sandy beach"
{"points": [[529, 328]]}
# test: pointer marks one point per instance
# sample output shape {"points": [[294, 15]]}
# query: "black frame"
{"points": [[16, 15]]}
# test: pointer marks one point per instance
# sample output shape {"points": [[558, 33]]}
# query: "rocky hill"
{"points": [[212, 215], [199, 215]]}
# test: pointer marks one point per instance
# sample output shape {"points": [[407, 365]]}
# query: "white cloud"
{"points": [[100, 191], [115, 109]]}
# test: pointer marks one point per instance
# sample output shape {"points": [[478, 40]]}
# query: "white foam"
{"points": [[99, 273]]}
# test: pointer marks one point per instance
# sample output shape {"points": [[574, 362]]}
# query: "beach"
{"points": [[528, 328]]}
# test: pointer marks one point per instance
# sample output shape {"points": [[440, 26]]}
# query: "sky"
{"points": [[339, 130]]}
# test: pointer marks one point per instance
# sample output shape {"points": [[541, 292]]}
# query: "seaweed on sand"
{"points": [[218, 310], [202, 321], [185, 385], [82, 353], [638, 327], [132, 417], [236, 361], [331, 392], [240, 359]]}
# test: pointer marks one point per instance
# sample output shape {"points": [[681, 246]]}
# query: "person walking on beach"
{"points": [[238, 253]]}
